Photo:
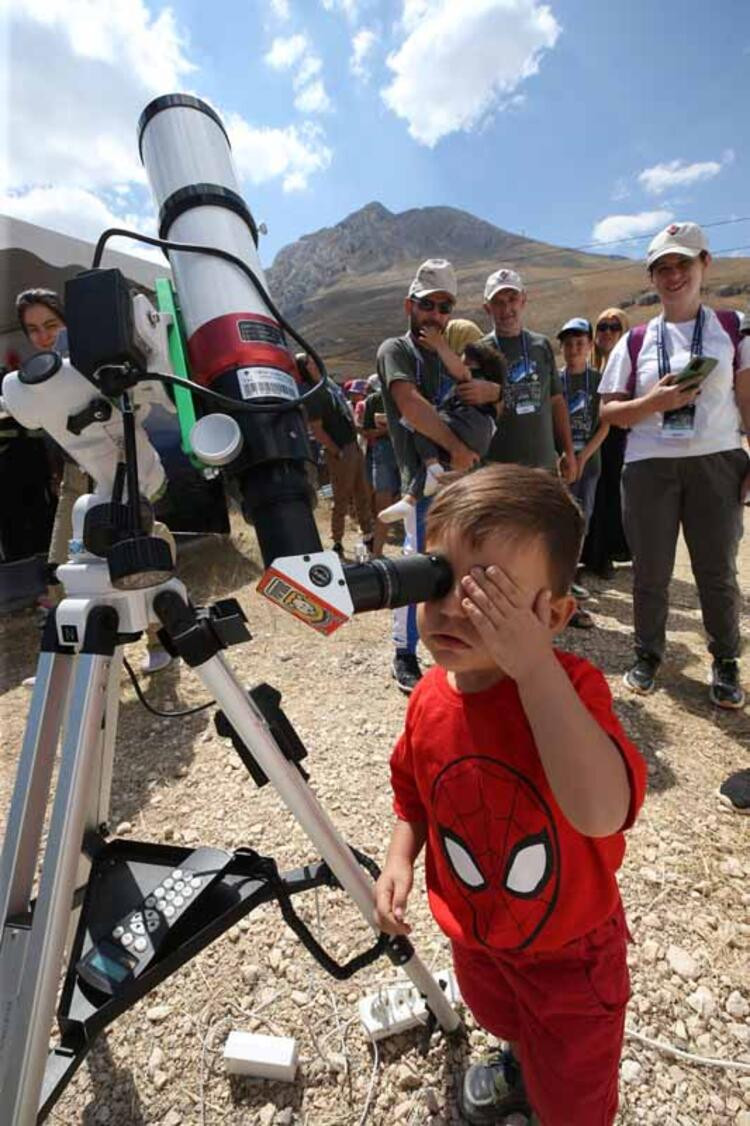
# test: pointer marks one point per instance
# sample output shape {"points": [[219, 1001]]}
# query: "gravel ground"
{"points": [[684, 881]]}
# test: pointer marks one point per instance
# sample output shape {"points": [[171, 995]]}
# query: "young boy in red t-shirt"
{"points": [[516, 774]]}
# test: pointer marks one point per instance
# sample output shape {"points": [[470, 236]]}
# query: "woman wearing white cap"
{"points": [[681, 385]]}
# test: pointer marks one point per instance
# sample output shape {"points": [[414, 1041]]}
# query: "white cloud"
{"points": [[286, 51], [292, 154], [280, 9], [348, 8], [82, 71], [454, 69], [80, 213], [295, 52], [616, 227], [662, 178], [362, 44]]}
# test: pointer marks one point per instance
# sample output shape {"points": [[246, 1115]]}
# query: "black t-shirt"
{"points": [[582, 400], [331, 409]]}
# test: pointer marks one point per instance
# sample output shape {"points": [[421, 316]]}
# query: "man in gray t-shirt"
{"points": [[413, 383], [534, 423]]}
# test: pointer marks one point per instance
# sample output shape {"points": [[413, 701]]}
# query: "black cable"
{"points": [[215, 252], [156, 711]]}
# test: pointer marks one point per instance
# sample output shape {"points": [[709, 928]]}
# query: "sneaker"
{"points": [[395, 512], [406, 671], [580, 593], [726, 690], [581, 619], [734, 792], [156, 660], [492, 1089], [432, 478], [641, 675]]}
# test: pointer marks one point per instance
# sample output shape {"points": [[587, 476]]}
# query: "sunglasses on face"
{"points": [[609, 326], [427, 305]]}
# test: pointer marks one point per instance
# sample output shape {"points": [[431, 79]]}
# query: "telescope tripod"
{"points": [[113, 919]]}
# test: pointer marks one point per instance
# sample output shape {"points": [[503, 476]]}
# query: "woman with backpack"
{"points": [[685, 466]]}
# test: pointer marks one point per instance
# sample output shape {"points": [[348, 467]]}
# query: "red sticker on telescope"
{"points": [[301, 603]]}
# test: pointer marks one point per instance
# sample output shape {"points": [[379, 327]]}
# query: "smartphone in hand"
{"points": [[695, 372]]}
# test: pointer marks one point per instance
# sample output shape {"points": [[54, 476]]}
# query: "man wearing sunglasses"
{"points": [[414, 381], [535, 424]]}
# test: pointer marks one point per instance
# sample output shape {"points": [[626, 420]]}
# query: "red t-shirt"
{"points": [[504, 868]]}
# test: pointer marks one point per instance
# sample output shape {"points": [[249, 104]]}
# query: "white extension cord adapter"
{"points": [[264, 1057], [400, 1006]]}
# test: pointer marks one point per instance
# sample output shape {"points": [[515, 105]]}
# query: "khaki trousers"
{"points": [[347, 474]]}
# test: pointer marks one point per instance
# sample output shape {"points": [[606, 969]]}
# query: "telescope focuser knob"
{"points": [[140, 562]]}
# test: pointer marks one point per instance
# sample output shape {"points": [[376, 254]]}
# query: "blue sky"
{"points": [[570, 121]]}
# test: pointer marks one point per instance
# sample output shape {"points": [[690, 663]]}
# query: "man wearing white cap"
{"points": [[681, 386], [414, 380], [534, 424]]}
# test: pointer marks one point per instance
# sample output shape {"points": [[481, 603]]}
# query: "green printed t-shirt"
{"points": [[399, 359], [525, 434]]}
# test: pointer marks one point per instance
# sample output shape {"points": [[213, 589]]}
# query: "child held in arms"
{"points": [[515, 773], [473, 425]]}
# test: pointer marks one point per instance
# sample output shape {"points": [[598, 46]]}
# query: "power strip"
{"points": [[265, 1057], [399, 1006]]}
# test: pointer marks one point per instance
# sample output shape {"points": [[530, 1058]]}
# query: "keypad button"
{"points": [[170, 895], [137, 927], [118, 932], [179, 885], [197, 881], [127, 939], [177, 874], [140, 945], [187, 890], [149, 901], [169, 910], [169, 882], [178, 901], [159, 892]]}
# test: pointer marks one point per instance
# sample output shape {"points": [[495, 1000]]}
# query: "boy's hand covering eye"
{"points": [[513, 623]]}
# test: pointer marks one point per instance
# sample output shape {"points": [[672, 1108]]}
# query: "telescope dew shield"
{"points": [[235, 346]]}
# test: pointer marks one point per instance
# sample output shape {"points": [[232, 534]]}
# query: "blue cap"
{"points": [[575, 324]]}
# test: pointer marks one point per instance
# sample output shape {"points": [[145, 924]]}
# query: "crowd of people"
{"points": [[513, 772]]}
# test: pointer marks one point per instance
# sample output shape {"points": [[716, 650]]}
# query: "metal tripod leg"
{"points": [[31, 958], [304, 806]]}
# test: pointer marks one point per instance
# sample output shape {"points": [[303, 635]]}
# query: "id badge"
{"points": [[679, 423]]}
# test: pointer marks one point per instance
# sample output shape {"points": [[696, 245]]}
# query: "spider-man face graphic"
{"points": [[500, 848]]}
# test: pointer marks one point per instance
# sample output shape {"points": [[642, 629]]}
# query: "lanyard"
{"points": [[524, 350], [696, 347], [564, 377]]}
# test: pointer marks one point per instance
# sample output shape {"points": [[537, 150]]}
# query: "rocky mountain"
{"points": [[374, 239]]}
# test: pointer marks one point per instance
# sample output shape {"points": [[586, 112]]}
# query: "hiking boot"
{"points": [[641, 675], [580, 593], [726, 690], [406, 671], [734, 792], [493, 1089]]}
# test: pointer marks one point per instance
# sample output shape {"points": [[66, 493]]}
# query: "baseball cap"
{"points": [[502, 279], [373, 381], [575, 324], [677, 238], [356, 387], [436, 275]]}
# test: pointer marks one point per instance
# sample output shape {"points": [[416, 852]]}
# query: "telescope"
{"points": [[114, 918]]}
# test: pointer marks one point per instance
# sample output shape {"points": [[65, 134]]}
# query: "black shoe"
{"points": [[493, 1089], [726, 690], [641, 675], [581, 619], [338, 548], [734, 792], [406, 671]]}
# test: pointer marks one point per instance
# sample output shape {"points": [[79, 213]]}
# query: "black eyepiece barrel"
{"points": [[388, 583]]}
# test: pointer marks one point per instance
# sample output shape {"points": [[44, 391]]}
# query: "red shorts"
{"points": [[565, 1009]]}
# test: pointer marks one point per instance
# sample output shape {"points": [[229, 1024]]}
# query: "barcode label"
{"points": [[266, 383]]}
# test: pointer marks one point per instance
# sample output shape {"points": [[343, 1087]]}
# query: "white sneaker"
{"points": [[395, 512], [432, 480], [29, 682], [156, 660]]}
